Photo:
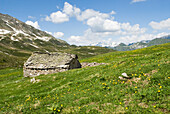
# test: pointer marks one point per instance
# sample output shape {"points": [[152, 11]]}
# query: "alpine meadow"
{"points": [[88, 56]]}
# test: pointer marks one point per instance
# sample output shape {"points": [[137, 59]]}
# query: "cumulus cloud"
{"points": [[134, 1], [34, 24], [102, 26], [58, 34], [72, 11], [68, 9], [57, 17], [88, 38], [164, 24], [135, 29], [89, 13], [98, 24]]}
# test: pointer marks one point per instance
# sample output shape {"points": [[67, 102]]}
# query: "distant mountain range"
{"points": [[142, 44], [133, 46], [104, 44]]}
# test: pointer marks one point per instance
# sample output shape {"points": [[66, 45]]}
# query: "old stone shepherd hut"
{"points": [[48, 63]]}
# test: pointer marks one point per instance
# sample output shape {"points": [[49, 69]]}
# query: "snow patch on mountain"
{"points": [[34, 45], [105, 44], [3, 31], [43, 38]]}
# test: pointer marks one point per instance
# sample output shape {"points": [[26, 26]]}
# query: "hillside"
{"points": [[94, 89], [18, 40]]}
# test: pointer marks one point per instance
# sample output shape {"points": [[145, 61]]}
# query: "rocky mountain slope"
{"points": [[19, 35]]}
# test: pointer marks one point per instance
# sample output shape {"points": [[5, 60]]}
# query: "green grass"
{"points": [[94, 89]]}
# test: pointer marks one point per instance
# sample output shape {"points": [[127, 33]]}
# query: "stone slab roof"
{"points": [[49, 60]]}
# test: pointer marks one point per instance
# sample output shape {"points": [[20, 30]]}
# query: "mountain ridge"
{"points": [[135, 45]]}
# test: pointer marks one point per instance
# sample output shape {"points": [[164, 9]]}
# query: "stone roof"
{"points": [[49, 60]]}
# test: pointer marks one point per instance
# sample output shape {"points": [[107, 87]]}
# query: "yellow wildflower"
{"points": [[126, 108], [159, 91], [58, 110], [160, 87]]}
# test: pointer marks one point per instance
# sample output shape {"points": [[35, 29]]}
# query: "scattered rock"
{"points": [[33, 80], [85, 64], [124, 76]]}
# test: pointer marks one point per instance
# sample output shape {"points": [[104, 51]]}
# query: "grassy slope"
{"points": [[94, 89]]}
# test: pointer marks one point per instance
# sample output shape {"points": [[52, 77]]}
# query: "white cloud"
{"points": [[57, 7], [135, 29], [72, 11], [68, 9], [134, 1], [57, 17], [112, 12], [89, 13], [88, 38], [58, 34], [98, 24], [102, 26], [164, 24], [34, 24], [31, 17]]}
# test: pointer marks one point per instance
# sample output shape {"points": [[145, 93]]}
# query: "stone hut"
{"points": [[48, 63]]}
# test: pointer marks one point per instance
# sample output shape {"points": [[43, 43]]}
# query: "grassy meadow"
{"points": [[94, 89]]}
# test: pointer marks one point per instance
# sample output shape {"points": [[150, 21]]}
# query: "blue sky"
{"points": [[84, 22]]}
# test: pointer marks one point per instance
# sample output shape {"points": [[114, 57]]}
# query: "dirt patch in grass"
{"points": [[77, 100], [85, 64], [143, 105], [106, 104]]}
